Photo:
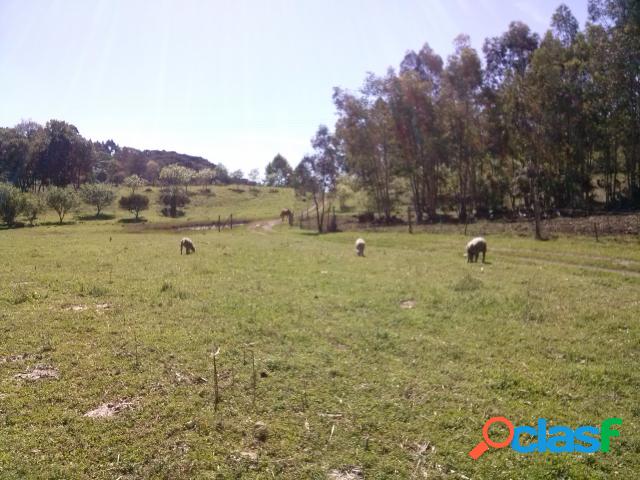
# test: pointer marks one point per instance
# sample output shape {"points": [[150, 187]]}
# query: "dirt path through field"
{"points": [[264, 226]]}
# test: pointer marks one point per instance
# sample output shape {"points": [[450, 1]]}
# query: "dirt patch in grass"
{"points": [[14, 358], [82, 307], [408, 304], [39, 372], [186, 378], [346, 473], [75, 308], [109, 409], [264, 225], [246, 455]]}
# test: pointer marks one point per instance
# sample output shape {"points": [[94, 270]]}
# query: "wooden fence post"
{"points": [[219, 228], [231, 221], [409, 219], [595, 229]]}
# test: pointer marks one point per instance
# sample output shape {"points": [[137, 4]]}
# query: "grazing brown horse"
{"points": [[288, 214]]}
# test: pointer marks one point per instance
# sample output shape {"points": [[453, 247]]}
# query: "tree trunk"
{"points": [[536, 209], [318, 218], [173, 212]]}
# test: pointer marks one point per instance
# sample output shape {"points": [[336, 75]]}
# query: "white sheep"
{"points": [[474, 247], [187, 244], [360, 247]]}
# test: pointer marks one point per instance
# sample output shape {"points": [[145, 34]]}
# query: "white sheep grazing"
{"points": [[187, 244], [360, 247], [474, 247]]}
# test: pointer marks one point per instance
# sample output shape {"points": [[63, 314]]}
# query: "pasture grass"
{"points": [[241, 201], [344, 376]]}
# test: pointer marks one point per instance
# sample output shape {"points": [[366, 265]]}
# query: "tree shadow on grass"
{"points": [[4, 226], [133, 220], [57, 223], [102, 216]]}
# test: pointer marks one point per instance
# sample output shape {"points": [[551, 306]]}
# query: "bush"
{"points": [[11, 203], [97, 194], [62, 200], [174, 198], [174, 179], [134, 203], [34, 205]]}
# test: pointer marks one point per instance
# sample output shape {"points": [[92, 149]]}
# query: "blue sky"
{"points": [[233, 81]]}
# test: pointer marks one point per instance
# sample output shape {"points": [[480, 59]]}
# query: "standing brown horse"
{"points": [[288, 214]]}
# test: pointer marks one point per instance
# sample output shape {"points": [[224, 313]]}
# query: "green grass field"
{"points": [[344, 376], [241, 201]]}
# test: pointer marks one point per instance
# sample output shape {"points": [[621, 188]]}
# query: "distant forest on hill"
{"points": [[32, 155]]}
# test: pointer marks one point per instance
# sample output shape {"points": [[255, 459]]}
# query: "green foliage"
{"points": [[173, 198], [134, 203], [317, 174], [99, 195], [278, 172], [175, 175], [174, 179], [564, 106], [344, 192], [12, 203], [34, 205], [133, 182], [222, 174], [62, 200], [206, 176], [254, 175]]}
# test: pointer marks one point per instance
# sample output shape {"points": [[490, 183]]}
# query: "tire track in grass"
{"points": [[520, 259], [625, 262]]}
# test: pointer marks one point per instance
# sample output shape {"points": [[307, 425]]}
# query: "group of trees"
{"points": [[14, 202], [541, 125], [174, 181], [33, 157], [56, 154], [278, 172]]}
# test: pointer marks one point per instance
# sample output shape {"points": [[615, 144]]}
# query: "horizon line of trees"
{"points": [[33, 156], [541, 125]]}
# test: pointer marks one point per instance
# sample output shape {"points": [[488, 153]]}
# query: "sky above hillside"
{"points": [[233, 81]]}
